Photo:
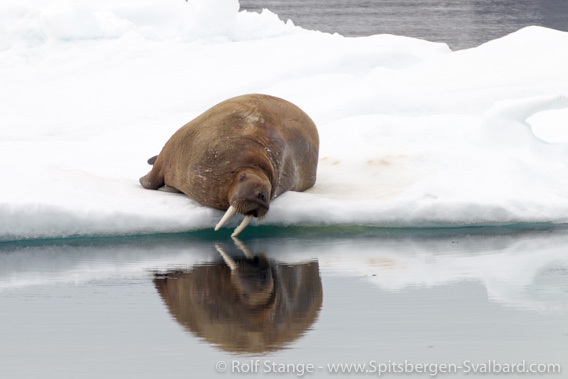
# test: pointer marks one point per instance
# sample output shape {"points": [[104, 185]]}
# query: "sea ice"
{"points": [[412, 134]]}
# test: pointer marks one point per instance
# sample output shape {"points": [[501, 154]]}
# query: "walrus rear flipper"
{"points": [[152, 160]]}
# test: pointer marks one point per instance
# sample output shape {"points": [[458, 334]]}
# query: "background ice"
{"points": [[412, 134]]}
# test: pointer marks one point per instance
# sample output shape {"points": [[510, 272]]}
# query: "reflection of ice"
{"points": [[522, 269], [81, 261]]}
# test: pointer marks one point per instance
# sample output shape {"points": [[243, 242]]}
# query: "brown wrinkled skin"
{"points": [[258, 135], [206, 302]]}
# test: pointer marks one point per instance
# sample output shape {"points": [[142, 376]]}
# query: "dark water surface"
{"points": [[192, 305], [459, 23]]}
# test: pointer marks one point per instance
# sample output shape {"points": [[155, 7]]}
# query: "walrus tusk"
{"points": [[230, 212], [242, 226], [243, 247], [228, 260]]}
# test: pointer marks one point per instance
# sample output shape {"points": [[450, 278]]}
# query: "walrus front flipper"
{"points": [[152, 160]]}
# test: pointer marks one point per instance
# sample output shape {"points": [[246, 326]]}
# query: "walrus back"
{"points": [[299, 155], [200, 159]]}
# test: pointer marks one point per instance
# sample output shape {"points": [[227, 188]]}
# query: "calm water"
{"points": [[459, 23], [175, 306]]}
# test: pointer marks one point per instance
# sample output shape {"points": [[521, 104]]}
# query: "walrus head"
{"points": [[249, 194]]}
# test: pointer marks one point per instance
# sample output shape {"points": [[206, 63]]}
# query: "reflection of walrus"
{"points": [[251, 305], [239, 155]]}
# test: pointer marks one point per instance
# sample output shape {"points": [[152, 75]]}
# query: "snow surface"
{"points": [[412, 134]]}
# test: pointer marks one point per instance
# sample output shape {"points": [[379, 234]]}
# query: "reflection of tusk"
{"points": [[230, 212], [228, 260], [243, 247], [242, 226]]}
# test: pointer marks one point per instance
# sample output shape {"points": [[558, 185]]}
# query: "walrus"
{"points": [[253, 304], [239, 155]]}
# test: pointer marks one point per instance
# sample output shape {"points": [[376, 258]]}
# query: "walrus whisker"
{"points": [[259, 219], [242, 226], [230, 212]]}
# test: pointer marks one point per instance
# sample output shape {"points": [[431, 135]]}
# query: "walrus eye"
{"points": [[242, 177]]}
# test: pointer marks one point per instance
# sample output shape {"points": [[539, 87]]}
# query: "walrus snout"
{"points": [[250, 207], [261, 196], [250, 196], [253, 201]]}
